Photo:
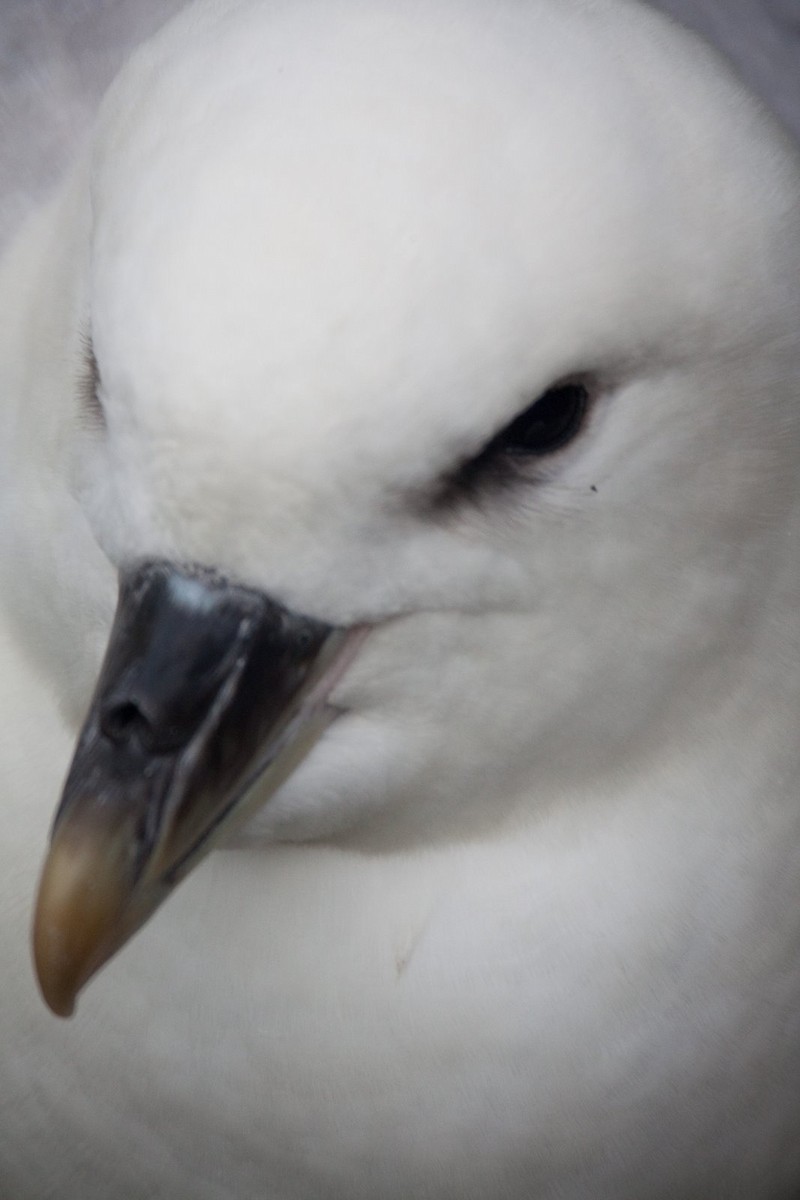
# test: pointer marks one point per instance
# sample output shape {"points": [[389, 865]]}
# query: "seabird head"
{"points": [[467, 327]]}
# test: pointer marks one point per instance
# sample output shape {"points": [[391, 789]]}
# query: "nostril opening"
{"points": [[123, 721]]}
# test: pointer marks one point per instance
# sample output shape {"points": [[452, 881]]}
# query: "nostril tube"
{"points": [[123, 721]]}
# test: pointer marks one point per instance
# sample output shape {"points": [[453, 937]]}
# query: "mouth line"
{"points": [[311, 715]]}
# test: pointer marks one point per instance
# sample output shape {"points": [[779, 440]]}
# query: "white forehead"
{"points": [[320, 200], [338, 241]]}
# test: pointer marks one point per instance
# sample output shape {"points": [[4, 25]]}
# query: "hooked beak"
{"points": [[205, 687]]}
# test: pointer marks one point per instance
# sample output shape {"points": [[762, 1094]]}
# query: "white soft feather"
{"points": [[540, 935]]}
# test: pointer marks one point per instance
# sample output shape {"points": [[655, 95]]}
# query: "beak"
{"points": [[205, 687]]}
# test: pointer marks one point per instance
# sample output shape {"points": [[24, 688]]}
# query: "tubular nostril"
{"points": [[124, 722]]}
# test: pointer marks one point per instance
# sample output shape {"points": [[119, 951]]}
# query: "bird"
{"points": [[398, 619]]}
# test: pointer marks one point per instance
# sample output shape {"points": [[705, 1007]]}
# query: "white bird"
{"points": [[426, 372]]}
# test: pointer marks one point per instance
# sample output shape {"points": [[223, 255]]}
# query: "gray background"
{"points": [[57, 56]]}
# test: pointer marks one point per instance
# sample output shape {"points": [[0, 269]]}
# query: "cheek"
{"points": [[429, 730], [362, 767]]}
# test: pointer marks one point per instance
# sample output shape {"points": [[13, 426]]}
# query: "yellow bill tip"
{"points": [[82, 895]]}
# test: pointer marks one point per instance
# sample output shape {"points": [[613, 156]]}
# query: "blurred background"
{"points": [[58, 56]]}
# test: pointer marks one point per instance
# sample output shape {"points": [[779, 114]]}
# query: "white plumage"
{"points": [[525, 923]]}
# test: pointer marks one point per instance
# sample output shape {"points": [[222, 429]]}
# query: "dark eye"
{"points": [[554, 419], [89, 387]]}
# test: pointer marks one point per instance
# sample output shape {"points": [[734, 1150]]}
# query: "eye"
{"points": [[552, 421], [89, 387]]}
